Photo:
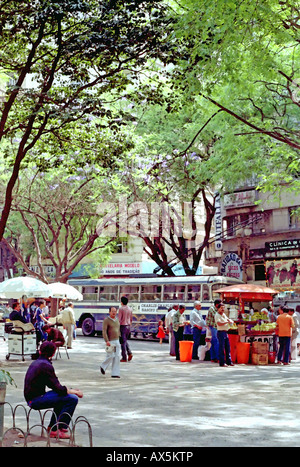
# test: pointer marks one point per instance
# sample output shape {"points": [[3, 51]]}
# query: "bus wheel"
{"points": [[88, 327]]}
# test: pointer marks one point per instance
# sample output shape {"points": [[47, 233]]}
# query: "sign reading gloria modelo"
{"points": [[232, 266]]}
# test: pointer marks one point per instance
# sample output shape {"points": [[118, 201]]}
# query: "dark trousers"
{"points": [[63, 407], [224, 348], [178, 336], [125, 333], [284, 349], [196, 339]]}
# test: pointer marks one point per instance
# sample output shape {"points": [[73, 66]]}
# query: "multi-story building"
{"points": [[260, 237]]}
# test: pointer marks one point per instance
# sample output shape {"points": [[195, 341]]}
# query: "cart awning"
{"points": [[247, 292]]}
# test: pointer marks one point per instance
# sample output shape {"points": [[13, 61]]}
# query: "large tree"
{"points": [[63, 63], [242, 60]]}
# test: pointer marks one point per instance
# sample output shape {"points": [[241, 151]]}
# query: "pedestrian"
{"points": [[111, 335], [295, 332], [39, 320], [125, 319], [223, 324], [197, 324], [63, 400], [169, 328], [161, 332], [68, 321], [178, 328], [285, 324], [212, 326], [54, 335]]}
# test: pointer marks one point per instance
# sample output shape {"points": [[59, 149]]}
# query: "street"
{"points": [[159, 402]]}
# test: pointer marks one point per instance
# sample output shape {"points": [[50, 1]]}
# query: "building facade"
{"points": [[260, 238]]}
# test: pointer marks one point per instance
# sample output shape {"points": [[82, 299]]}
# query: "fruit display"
{"points": [[268, 327], [257, 315]]}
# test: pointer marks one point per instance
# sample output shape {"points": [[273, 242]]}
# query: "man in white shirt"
{"points": [[169, 328], [69, 323], [223, 324], [197, 323]]}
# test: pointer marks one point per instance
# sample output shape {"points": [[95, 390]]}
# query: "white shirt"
{"points": [[224, 320], [168, 318]]}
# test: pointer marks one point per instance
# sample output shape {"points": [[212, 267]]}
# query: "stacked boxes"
{"points": [[259, 353]]}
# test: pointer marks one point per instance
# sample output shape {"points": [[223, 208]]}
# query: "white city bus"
{"points": [[150, 298]]}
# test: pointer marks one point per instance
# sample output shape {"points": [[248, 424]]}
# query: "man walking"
{"points": [[68, 321], [125, 319], [197, 323], [111, 335]]}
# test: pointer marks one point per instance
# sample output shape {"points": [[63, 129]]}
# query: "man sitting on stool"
{"points": [[54, 335]]}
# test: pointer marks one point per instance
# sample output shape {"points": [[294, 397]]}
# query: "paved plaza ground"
{"points": [[160, 402]]}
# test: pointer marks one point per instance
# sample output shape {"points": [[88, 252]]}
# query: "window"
{"points": [[215, 287], [194, 292], [109, 293], [205, 293], [253, 221], [294, 217], [150, 293], [90, 292], [174, 292], [131, 292]]}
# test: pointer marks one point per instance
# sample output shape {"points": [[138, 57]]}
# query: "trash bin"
{"points": [[186, 350], [242, 352]]}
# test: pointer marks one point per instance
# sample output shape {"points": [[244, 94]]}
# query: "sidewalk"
{"points": [[160, 402]]}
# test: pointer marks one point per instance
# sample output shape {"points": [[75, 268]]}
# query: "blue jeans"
{"points": [[63, 407], [224, 348], [214, 350], [284, 349], [196, 338]]}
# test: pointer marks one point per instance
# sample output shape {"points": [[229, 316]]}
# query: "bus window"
{"points": [[150, 293], [205, 293], [174, 292], [193, 292], [130, 291], [109, 293], [213, 293], [90, 293]]}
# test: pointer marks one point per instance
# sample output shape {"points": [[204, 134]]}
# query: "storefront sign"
{"points": [[283, 273], [280, 245], [232, 266], [218, 223], [122, 269], [240, 199]]}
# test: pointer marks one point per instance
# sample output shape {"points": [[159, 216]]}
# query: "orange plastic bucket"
{"points": [[242, 352], [233, 339], [186, 350]]}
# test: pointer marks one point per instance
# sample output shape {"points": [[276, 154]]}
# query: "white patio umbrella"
{"points": [[17, 287], [61, 290]]}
